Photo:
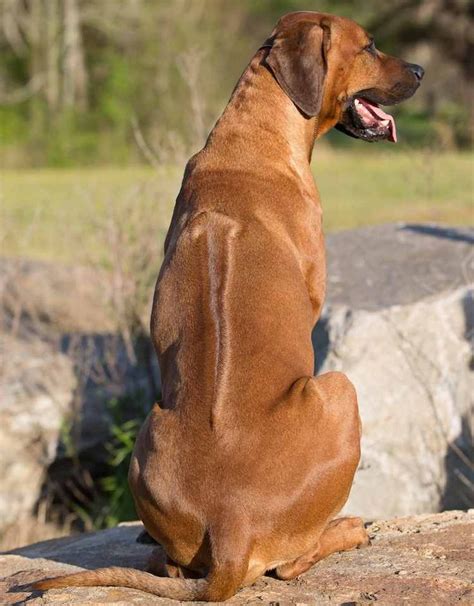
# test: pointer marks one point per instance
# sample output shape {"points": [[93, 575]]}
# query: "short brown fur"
{"points": [[244, 465]]}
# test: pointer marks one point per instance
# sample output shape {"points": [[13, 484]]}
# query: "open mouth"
{"points": [[364, 119]]}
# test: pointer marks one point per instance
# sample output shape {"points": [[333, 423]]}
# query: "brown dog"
{"points": [[249, 458]]}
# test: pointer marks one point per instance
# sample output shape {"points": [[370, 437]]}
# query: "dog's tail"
{"points": [[225, 576], [177, 589]]}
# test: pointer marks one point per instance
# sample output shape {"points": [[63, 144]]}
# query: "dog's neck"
{"points": [[261, 118]]}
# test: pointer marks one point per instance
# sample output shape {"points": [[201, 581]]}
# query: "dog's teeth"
{"points": [[385, 122]]}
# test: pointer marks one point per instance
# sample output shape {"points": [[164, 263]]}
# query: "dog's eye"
{"points": [[370, 48]]}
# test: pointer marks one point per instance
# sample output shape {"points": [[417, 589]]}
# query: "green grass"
{"points": [[61, 214], [55, 214], [387, 186]]}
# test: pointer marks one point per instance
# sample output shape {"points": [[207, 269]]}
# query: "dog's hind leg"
{"points": [[162, 565], [341, 534]]}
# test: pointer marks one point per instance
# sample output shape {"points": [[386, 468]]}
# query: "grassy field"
{"points": [[63, 214]]}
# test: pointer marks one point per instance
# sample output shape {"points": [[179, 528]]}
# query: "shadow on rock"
{"points": [[436, 231], [459, 489]]}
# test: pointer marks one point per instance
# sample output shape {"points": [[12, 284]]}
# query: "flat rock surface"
{"points": [[418, 560], [397, 264]]}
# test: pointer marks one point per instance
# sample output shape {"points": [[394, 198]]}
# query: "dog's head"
{"points": [[330, 68]]}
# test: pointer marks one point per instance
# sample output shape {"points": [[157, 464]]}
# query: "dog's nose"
{"points": [[417, 70]]}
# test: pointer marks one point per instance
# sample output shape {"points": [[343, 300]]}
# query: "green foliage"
{"points": [[115, 100], [113, 502], [415, 126], [66, 438], [116, 503], [69, 141], [455, 118], [14, 124]]}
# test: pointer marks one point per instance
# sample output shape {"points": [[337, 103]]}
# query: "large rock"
{"points": [[398, 321], [37, 391], [418, 561]]}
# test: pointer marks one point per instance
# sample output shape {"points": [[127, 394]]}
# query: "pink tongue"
{"points": [[379, 113]]}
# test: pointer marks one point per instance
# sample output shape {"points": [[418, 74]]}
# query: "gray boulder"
{"points": [[398, 322], [37, 387]]}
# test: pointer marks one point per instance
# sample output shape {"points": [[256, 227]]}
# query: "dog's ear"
{"points": [[297, 59]]}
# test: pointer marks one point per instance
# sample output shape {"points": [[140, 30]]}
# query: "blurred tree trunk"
{"points": [[11, 15], [73, 66], [48, 33], [36, 40], [52, 17], [190, 67]]}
